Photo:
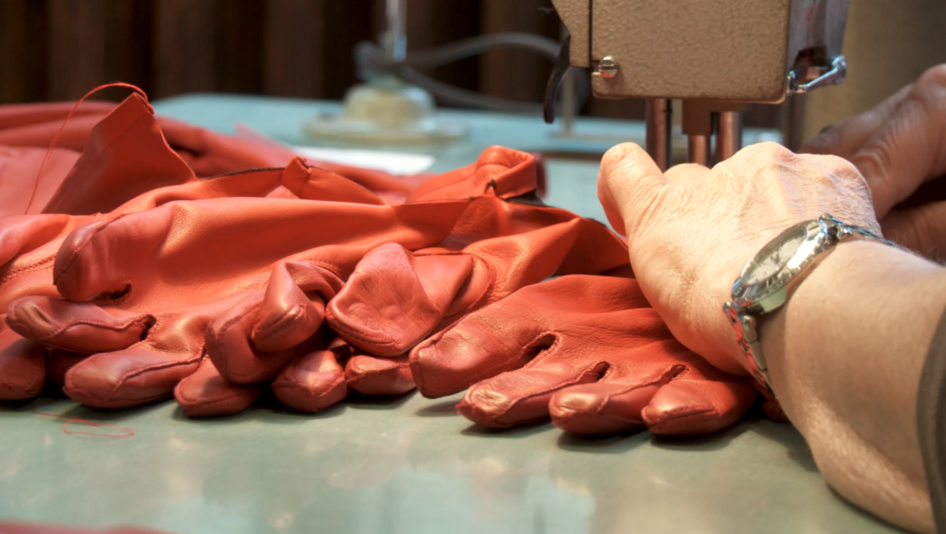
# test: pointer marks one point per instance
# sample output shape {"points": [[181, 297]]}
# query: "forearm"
{"points": [[845, 357]]}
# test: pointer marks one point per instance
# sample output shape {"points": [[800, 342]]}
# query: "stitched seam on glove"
{"points": [[489, 371], [224, 364], [25, 269], [604, 402], [280, 332], [124, 326], [554, 387], [76, 250], [125, 377], [347, 331]]}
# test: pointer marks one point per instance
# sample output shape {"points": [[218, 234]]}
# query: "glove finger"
{"points": [[480, 346], [207, 394], [76, 326], [294, 305], [22, 367], [394, 299], [228, 344], [605, 407], [379, 376], [128, 377], [522, 397], [694, 406], [148, 370], [312, 382]]}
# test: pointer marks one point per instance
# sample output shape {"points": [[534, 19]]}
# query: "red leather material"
{"points": [[379, 376], [162, 273], [19, 167], [394, 299], [22, 366], [587, 351], [207, 394], [206, 152], [241, 340], [509, 173], [188, 253], [127, 156], [315, 380]]}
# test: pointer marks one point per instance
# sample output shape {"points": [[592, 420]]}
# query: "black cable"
{"points": [[371, 60]]}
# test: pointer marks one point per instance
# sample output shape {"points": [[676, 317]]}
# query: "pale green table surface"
{"points": [[408, 465]]}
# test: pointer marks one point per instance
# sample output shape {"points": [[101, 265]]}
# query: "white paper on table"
{"points": [[395, 163]]}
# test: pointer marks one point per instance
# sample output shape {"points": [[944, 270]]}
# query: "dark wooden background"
{"points": [[59, 49]]}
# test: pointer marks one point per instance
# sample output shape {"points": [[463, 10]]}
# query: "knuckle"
{"points": [[767, 151], [875, 161], [932, 81]]}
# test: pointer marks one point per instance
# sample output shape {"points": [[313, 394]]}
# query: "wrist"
{"points": [[820, 299]]}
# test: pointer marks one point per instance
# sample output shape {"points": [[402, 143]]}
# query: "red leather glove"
{"points": [[28, 243], [208, 153], [161, 276], [588, 351], [293, 307], [28, 247], [396, 298]]}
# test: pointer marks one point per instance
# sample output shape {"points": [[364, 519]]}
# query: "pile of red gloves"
{"points": [[153, 263]]}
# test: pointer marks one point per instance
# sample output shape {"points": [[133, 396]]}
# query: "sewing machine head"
{"points": [[715, 55]]}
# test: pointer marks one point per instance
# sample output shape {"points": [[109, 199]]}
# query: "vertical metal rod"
{"points": [[698, 149], [728, 135], [394, 41], [658, 114], [792, 110], [569, 103]]}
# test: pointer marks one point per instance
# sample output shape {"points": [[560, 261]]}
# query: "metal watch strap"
{"points": [[745, 319]]}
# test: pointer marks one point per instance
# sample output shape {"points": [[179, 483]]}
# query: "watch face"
{"points": [[766, 267], [774, 257]]}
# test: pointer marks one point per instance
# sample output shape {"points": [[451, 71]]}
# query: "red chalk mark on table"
{"points": [[73, 420]]}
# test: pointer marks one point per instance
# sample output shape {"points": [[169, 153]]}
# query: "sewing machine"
{"points": [[717, 56]]}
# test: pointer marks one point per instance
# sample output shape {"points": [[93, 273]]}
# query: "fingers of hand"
{"points": [[910, 147], [921, 229], [846, 138]]}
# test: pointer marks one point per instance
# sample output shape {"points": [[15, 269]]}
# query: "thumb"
{"points": [[628, 182]]}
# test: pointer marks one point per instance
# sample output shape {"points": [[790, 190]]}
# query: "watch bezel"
{"points": [[772, 292]]}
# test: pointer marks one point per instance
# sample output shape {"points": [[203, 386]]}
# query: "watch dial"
{"points": [[774, 257]]}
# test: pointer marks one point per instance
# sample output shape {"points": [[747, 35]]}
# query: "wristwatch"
{"points": [[769, 279]]}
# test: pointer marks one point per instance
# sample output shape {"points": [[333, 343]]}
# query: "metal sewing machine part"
{"points": [[717, 56], [385, 109]]}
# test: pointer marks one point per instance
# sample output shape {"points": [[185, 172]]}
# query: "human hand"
{"points": [[691, 230], [900, 148]]}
